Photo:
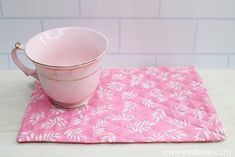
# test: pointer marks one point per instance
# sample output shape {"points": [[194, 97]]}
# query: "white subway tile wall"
{"points": [[200, 61], [216, 36], [0, 9], [17, 30], [42, 8], [120, 8], [141, 32], [198, 8], [157, 36]]}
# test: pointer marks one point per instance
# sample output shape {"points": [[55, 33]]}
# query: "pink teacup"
{"points": [[68, 63]]}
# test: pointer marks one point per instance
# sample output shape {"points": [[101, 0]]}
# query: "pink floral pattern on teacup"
{"points": [[148, 104]]}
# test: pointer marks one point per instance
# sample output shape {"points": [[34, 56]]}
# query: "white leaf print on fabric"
{"points": [[152, 71], [178, 77], [121, 117], [179, 123], [156, 93], [175, 134], [83, 119], [99, 128], [219, 133], [128, 106], [60, 121], [108, 138], [203, 133], [28, 111], [119, 77], [129, 70], [129, 95], [136, 79], [207, 101], [74, 135], [82, 110], [197, 85], [56, 111], [149, 103], [35, 118], [47, 137], [48, 124], [158, 137], [181, 95], [158, 114], [104, 93], [214, 119], [182, 108], [56, 121], [26, 136], [175, 85], [30, 136], [105, 72], [117, 86], [162, 76], [198, 113], [140, 126], [102, 109], [148, 84], [36, 97], [182, 69]]}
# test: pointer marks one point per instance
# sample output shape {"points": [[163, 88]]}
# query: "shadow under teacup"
{"points": [[67, 61]]}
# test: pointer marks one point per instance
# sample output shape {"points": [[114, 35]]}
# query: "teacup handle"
{"points": [[26, 70]]}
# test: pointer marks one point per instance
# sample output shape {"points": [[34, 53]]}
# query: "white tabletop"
{"points": [[15, 91]]}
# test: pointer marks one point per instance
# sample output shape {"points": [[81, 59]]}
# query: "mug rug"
{"points": [[130, 105]]}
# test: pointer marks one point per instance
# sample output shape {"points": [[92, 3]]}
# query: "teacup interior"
{"points": [[67, 46]]}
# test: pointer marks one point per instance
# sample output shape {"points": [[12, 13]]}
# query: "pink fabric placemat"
{"points": [[130, 105]]}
